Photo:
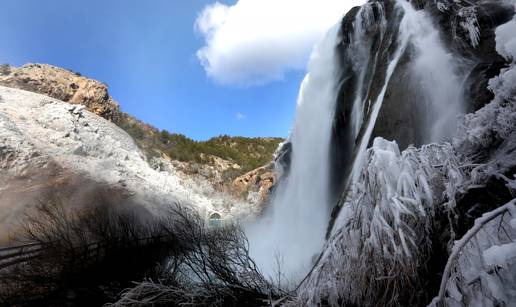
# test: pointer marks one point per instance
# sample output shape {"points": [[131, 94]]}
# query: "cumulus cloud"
{"points": [[256, 41]]}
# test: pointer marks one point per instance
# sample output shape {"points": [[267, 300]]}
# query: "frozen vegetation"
{"points": [[382, 233]]}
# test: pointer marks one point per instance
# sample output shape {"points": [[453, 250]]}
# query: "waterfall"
{"points": [[364, 141], [434, 69], [369, 237], [292, 231], [359, 52]]}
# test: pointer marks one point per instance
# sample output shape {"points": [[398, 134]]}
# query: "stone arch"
{"points": [[215, 219]]}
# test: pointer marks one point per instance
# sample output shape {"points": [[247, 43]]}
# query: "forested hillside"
{"points": [[248, 153]]}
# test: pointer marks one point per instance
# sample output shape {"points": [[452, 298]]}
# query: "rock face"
{"points": [[253, 187], [61, 84], [47, 144], [256, 184], [212, 167]]}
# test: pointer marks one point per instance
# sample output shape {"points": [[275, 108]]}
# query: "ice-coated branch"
{"points": [[460, 244]]}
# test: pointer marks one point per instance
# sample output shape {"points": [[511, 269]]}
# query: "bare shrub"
{"points": [[5, 69], [92, 252], [213, 268], [88, 256]]}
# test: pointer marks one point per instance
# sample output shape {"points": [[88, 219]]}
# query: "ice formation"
{"points": [[484, 272], [482, 264], [383, 228], [470, 24]]}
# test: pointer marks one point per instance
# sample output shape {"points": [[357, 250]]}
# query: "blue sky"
{"points": [[147, 52]]}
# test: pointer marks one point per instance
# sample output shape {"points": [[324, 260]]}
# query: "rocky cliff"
{"points": [[369, 43], [61, 84]]}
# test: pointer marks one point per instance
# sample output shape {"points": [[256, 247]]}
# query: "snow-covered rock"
{"points": [[481, 270], [37, 132]]}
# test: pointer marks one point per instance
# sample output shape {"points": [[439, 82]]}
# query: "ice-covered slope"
{"points": [[39, 134]]}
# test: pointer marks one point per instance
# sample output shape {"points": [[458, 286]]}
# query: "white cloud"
{"points": [[257, 41], [240, 116]]}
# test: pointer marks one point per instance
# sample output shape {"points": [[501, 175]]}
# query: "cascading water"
{"points": [[434, 68], [370, 223], [359, 52], [294, 227], [292, 231], [437, 72], [377, 105]]}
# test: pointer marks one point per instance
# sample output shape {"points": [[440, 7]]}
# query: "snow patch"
{"points": [[500, 255], [485, 272], [506, 40]]}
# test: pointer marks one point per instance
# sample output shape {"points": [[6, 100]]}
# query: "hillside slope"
{"points": [[234, 165], [47, 144]]}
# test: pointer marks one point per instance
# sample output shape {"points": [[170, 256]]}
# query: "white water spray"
{"points": [[434, 67], [436, 70], [294, 228]]}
